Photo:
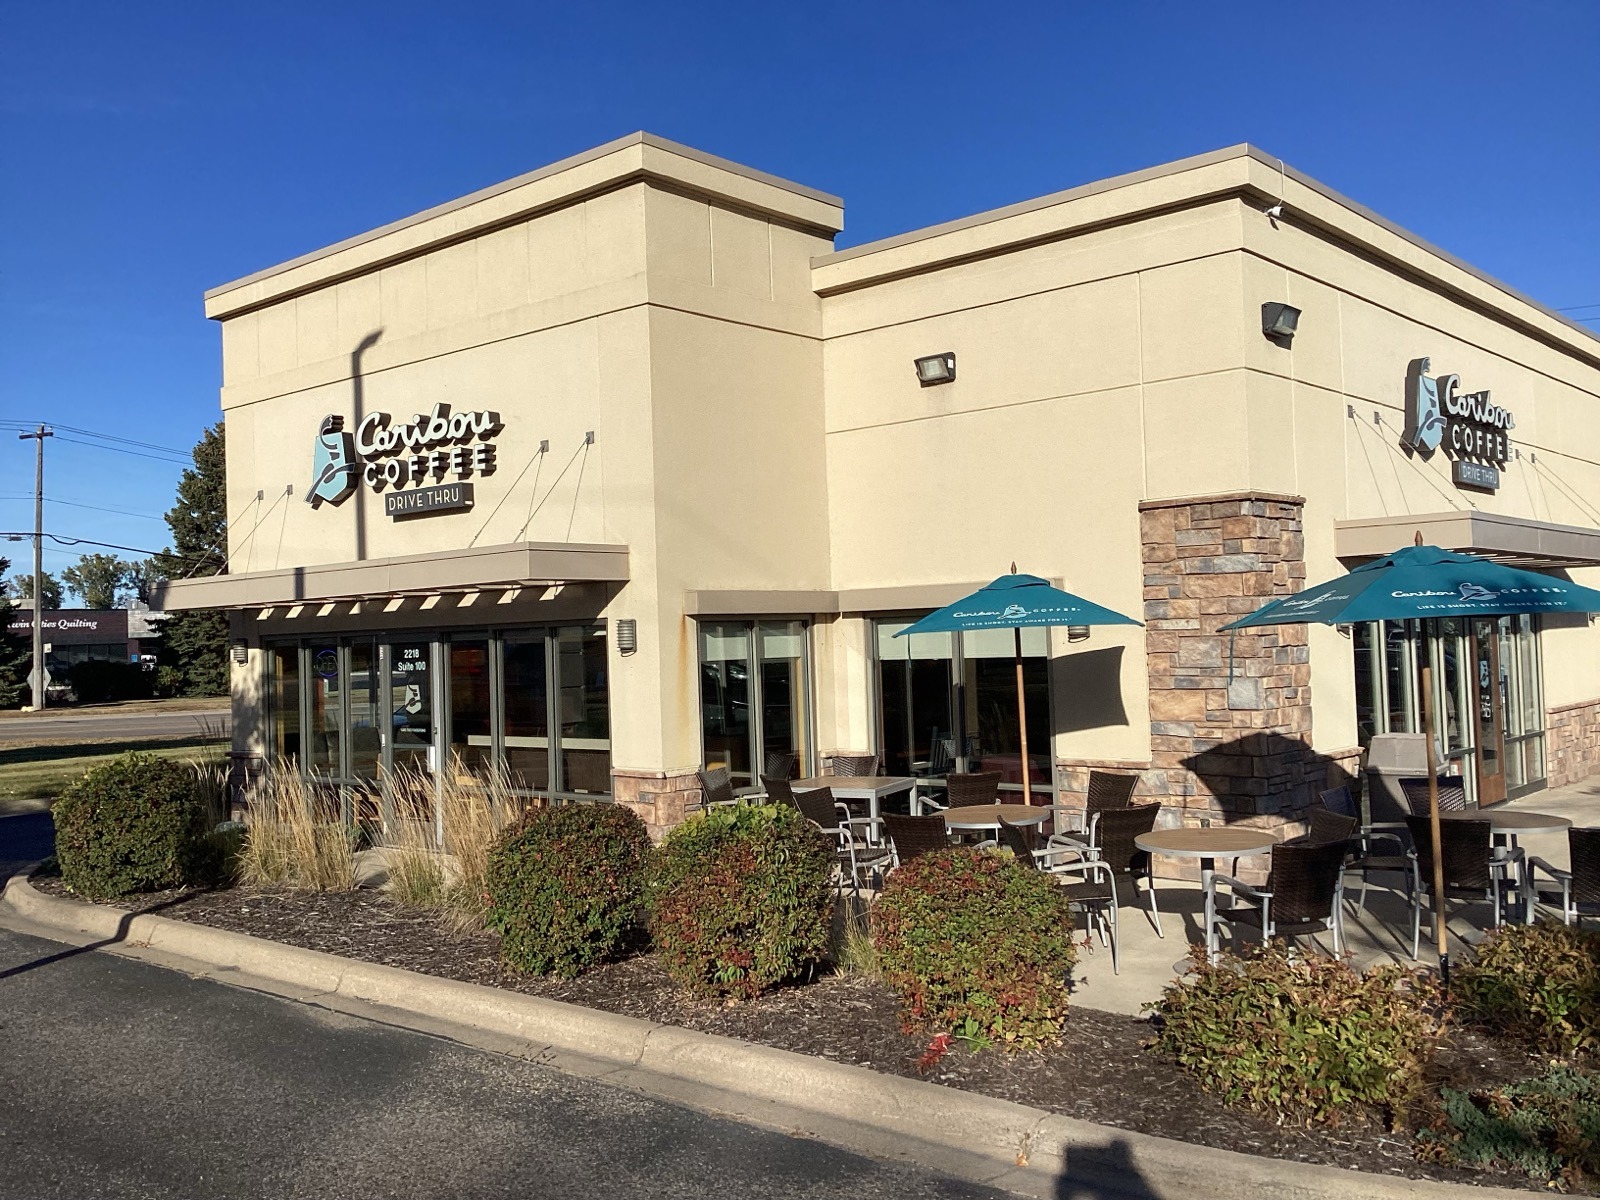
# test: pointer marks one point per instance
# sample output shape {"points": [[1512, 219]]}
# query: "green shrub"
{"points": [[978, 946], [740, 899], [1548, 1128], [1301, 1037], [565, 885], [135, 824], [1539, 983]]}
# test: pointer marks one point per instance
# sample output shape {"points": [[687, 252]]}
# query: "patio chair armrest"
{"points": [[1064, 815], [1050, 855], [1060, 841], [1536, 865], [1368, 837]]}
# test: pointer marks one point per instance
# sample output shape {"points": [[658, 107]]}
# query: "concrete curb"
{"points": [[996, 1142]]}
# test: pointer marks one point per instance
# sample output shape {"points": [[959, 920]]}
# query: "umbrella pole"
{"points": [[1433, 816], [1022, 723]]}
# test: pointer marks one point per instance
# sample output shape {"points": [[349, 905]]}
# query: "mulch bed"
{"points": [[1100, 1072]]}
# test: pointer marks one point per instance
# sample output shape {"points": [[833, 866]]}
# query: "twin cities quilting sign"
{"points": [[434, 455], [1469, 425]]}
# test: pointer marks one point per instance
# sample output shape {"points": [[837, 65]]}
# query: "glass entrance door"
{"points": [[1489, 710]]}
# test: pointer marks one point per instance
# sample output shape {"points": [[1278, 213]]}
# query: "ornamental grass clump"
{"points": [[293, 839], [1546, 1128], [978, 946], [564, 887], [1536, 983], [136, 824], [1300, 1037], [740, 899]]}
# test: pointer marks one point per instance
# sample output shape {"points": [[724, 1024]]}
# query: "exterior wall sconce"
{"points": [[1279, 321], [936, 369], [239, 653], [627, 635], [1077, 633]]}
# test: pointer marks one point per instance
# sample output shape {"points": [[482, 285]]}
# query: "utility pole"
{"points": [[38, 563]]}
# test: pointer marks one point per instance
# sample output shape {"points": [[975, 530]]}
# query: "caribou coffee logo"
{"points": [[1470, 427], [430, 448]]}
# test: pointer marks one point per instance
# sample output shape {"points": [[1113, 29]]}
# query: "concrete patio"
{"points": [[1378, 933]]}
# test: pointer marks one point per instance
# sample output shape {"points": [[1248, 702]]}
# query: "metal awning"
{"points": [[512, 565], [1516, 541]]}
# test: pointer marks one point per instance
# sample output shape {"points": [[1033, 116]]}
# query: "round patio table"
{"points": [[1207, 845], [989, 816], [1511, 821]]}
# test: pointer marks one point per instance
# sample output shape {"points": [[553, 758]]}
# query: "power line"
{"points": [[121, 512], [107, 437], [177, 462]]}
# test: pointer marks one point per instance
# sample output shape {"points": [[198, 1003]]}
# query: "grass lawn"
{"points": [[31, 776]]}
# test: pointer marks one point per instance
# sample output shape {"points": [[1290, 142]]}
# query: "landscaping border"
{"points": [[979, 1138]]}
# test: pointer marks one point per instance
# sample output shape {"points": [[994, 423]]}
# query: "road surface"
{"points": [[111, 726], [122, 1079]]}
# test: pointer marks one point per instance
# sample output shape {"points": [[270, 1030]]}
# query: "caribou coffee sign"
{"points": [[1472, 429], [421, 454]]}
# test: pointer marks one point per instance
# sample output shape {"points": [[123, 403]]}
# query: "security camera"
{"points": [[1275, 211]]}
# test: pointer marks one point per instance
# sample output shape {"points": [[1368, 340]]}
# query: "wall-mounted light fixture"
{"points": [[1279, 321], [1077, 633], [627, 635], [936, 368], [239, 653]]}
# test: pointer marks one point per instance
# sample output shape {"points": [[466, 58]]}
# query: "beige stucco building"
{"points": [[699, 484]]}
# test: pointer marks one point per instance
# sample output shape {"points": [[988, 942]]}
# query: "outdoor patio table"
{"points": [[1208, 845], [989, 816], [874, 789]]}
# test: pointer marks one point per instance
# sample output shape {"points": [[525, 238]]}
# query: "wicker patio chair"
{"points": [[716, 787], [1390, 835], [974, 787], [912, 837], [856, 766], [778, 791], [1452, 794], [1096, 896], [1325, 826], [1474, 869], [855, 856], [1303, 894], [779, 765], [1117, 828], [1107, 789], [1579, 896]]}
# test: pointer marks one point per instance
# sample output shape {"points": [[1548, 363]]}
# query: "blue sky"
{"points": [[150, 151]]}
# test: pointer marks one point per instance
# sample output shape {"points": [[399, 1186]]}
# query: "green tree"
{"points": [[195, 642], [22, 588], [16, 655], [140, 580], [96, 579]]}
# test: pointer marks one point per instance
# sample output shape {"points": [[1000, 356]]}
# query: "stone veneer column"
{"points": [[661, 798], [1572, 742], [1240, 749]]}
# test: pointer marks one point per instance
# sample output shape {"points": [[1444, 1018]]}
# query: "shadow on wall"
{"points": [[1257, 774], [1104, 1173], [1087, 686]]}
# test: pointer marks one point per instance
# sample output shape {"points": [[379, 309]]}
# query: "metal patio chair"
{"points": [[778, 791], [1107, 789], [1304, 893], [716, 787], [912, 837], [1452, 794], [780, 765], [1475, 870], [856, 766], [1097, 897], [855, 855], [1579, 894], [1391, 835], [972, 787], [1117, 829]]}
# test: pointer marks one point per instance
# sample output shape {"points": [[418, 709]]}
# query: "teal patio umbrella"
{"points": [[1012, 602], [1414, 583]]}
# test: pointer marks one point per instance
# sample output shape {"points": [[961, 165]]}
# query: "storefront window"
{"points": [[989, 671], [366, 746], [410, 707], [1487, 695], [327, 713], [286, 702], [585, 711], [753, 696], [527, 721], [471, 705]]}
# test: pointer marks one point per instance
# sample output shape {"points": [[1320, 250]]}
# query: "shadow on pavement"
{"points": [[25, 838], [1111, 1175]]}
